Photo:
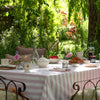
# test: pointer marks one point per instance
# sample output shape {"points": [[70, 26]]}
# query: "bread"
{"points": [[76, 60]]}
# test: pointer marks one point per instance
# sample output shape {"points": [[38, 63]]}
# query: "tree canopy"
{"points": [[42, 20]]}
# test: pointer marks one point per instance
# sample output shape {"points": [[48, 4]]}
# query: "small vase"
{"points": [[19, 67]]}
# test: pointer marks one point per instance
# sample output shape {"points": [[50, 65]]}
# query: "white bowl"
{"points": [[54, 61]]}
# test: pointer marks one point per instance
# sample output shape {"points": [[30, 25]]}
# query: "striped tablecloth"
{"points": [[43, 84]]}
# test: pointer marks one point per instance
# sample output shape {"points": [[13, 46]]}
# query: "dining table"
{"points": [[49, 83]]}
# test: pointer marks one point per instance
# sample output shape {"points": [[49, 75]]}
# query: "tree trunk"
{"points": [[92, 21]]}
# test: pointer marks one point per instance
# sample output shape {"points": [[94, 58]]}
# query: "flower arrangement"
{"points": [[17, 59]]}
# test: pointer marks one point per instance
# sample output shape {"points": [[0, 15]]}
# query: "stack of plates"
{"points": [[7, 67]]}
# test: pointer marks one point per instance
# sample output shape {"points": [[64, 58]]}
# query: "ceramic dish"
{"points": [[54, 61]]}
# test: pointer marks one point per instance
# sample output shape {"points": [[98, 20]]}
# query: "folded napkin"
{"points": [[60, 70], [91, 65]]}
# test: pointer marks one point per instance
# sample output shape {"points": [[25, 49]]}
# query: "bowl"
{"points": [[54, 61]]}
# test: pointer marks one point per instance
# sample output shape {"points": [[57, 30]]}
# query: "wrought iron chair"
{"points": [[12, 88], [87, 90]]}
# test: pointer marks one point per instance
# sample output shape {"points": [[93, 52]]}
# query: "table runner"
{"points": [[43, 84]]}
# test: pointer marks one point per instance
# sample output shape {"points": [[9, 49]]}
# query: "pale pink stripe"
{"points": [[99, 72], [55, 77], [86, 78], [35, 87], [71, 83], [73, 91], [77, 76], [83, 78], [68, 86], [48, 96], [64, 87], [95, 74], [46, 91], [70, 75], [31, 98], [87, 86], [89, 76], [33, 93], [51, 85], [54, 85], [23, 74], [60, 86], [33, 80]]}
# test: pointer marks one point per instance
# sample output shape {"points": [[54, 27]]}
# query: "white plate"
{"points": [[7, 65], [75, 65]]}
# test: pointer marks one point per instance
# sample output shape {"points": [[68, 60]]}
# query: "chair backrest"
{"points": [[12, 88], [23, 51], [87, 89]]}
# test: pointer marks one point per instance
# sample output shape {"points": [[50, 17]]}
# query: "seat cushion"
{"points": [[89, 94], [10, 96]]}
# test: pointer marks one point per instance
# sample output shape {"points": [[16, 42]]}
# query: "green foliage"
{"points": [[41, 21], [76, 6], [32, 20], [62, 33]]}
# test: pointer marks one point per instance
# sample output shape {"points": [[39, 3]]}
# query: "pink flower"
{"points": [[16, 57], [69, 55]]}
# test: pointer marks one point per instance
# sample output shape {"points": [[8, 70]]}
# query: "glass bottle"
{"points": [[90, 52], [35, 55]]}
